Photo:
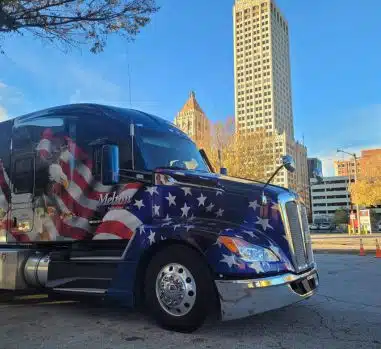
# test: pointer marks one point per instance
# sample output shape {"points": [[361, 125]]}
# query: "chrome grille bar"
{"points": [[295, 221]]}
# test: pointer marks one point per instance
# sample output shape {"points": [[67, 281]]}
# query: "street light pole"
{"points": [[356, 178], [357, 205]]}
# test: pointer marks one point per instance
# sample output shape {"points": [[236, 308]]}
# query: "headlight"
{"points": [[247, 251]]}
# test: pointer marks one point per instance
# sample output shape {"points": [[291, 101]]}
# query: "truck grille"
{"points": [[299, 237]]}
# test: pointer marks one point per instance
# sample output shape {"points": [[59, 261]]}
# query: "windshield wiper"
{"points": [[180, 169], [172, 168]]}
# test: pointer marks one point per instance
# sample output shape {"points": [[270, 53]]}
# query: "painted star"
{"points": [[251, 234], [171, 199], [201, 200], [254, 205], [166, 224], [156, 210], [264, 222], [176, 226], [219, 192], [139, 204], [141, 229], [220, 212], [218, 242], [210, 207], [191, 218], [187, 191], [151, 237], [167, 218], [257, 266], [188, 227], [185, 209], [152, 190], [229, 260], [162, 238]]}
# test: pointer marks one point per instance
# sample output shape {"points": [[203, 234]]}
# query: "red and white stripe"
{"points": [[117, 224], [81, 197]]}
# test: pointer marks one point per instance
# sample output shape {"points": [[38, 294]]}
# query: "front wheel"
{"points": [[179, 288]]}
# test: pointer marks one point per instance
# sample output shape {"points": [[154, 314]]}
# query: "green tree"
{"points": [[341, 217], [75, 22]]}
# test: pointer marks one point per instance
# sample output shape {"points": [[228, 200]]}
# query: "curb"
{"points": [[336, 251]]}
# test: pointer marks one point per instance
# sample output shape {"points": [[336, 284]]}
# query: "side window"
{"points": [[23, 175], [5, 145], [45, 137], [30, 134]]}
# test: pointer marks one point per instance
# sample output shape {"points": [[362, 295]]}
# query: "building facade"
{"points": [[302, 180], [262, 79], [313, 165], [192, 120], [327, 197], [369, 163], [346, 167], [262, 68]]}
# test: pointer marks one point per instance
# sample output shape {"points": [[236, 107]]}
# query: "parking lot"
{"points": [[346, 313]]}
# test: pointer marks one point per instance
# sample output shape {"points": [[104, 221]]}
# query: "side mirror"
{"points": [[289, 163], [110, 164], [318, 175], [224, 171]]}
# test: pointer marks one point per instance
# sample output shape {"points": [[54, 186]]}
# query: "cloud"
{"points": [[350, 130], [10, 95], [3, 114]]}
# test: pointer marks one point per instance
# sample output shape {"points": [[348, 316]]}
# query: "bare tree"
{"points": [[76, 22]]}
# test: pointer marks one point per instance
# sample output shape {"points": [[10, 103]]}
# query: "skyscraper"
{"points": [[262, 76], [262, 67], [314, 164], [192, 120]]}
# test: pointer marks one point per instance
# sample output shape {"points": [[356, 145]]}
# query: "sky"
{"points": [[335, 63]]}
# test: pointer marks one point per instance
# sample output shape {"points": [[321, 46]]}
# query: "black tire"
{"points": [[205, 295]]}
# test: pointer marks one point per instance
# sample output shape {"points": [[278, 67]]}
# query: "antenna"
{"points": [[129, 84], [128, 77]]}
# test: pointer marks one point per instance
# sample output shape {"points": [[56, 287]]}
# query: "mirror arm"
{"points": [[206, 159], [263, 198], [272, 177]]}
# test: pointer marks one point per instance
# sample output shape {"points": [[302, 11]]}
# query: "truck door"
{"points": [[34, 150], [22, 211]]}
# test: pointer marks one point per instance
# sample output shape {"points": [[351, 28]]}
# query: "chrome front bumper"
{"points": [[242, 298]]}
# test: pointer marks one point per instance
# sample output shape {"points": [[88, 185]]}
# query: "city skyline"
{"points": [[330, 92]]}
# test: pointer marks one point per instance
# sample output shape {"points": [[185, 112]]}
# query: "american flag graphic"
{"points": [[74, 197]]}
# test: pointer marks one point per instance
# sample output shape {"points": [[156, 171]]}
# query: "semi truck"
{"points": [[117, 203]]}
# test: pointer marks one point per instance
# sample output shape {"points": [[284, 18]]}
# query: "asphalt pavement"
{"points": [[346, 313]]}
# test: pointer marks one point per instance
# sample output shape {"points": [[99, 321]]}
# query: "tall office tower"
{"points": [[192, 120], [262, 76], [314, 164]]}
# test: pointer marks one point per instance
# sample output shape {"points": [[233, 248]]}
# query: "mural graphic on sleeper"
{"points": [[71, 198]]}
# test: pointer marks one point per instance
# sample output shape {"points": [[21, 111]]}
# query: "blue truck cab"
{"points": [[99, 200]]}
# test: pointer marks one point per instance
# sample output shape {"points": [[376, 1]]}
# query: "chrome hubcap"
{"points": [[176, 289]]}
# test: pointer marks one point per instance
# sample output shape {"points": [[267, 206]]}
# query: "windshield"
{"points": [[169, 150]]}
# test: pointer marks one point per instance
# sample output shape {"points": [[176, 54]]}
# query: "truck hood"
{"points": [[233, 185]]}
